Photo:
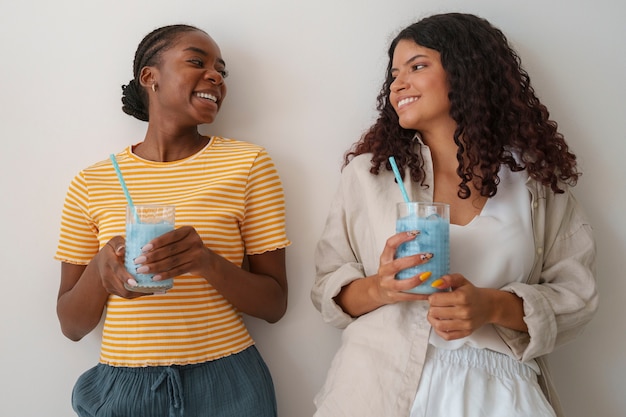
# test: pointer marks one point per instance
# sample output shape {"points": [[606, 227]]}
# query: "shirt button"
{"points": [[539, 251]]}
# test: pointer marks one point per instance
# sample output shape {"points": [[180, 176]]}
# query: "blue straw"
{"points": [[124, 188], [394, 167]]}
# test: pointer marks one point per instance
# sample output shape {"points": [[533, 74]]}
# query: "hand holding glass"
{"points": [[432, 220]]}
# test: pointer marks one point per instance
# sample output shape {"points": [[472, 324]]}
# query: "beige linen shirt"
{"points": [[377, 369]]}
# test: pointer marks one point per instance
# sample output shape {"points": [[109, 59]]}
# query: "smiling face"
{"points": [[419, 91], [189, 81]]}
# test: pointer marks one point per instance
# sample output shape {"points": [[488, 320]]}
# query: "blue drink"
{"points": [[432, 220], [150, 222]]}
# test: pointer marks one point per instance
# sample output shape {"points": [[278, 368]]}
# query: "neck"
{"points": [[161, 146], [442, 148]]}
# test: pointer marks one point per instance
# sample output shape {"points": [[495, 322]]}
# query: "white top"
{"points": [[504, 231]]}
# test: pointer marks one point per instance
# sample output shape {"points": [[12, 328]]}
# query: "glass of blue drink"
{"points": [[144, 223], [432, 221]]}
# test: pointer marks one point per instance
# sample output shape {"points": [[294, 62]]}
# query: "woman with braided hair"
{"points": [[458, 114], [186, 351]]}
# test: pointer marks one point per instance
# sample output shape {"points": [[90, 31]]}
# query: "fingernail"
{"points": [[147, 248], [142, 269], [425, 275], [156, 278], [132, 282], [426, 256], [413, 232], [140, 259], [437, 283]]}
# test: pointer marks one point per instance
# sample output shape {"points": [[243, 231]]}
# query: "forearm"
{"points": [[507, 310], [260, 292], [80, 307], [358, 297]]}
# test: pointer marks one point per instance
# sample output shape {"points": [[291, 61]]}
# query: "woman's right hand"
{"points": [[364, 295], [112, 271], [389, 289], [85, 289]]}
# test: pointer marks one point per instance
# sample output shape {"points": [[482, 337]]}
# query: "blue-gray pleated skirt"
{"points": [[238, 385]]}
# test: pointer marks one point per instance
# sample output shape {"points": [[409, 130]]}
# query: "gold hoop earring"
{"points": [[154, 87]]}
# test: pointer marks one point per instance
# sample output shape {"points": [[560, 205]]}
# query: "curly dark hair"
{"points": [[149, 51], [495, 108]]}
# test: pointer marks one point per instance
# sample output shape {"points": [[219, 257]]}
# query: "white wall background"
{"points": [[304, 76]]}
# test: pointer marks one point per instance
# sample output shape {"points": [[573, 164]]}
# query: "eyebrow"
{"points": [[204, 53], [408, 61]]}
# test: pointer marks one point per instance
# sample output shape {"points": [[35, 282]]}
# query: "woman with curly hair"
{"points": [[458, 114]]}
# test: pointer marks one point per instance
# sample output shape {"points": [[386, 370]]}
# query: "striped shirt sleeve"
{"points": [[78, 236], [263, 227]]}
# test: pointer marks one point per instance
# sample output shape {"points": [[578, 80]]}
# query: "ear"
{"points": [[148, 76]]}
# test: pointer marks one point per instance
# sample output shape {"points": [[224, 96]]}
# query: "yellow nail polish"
{"points": [[425, 275], [437, 283]]}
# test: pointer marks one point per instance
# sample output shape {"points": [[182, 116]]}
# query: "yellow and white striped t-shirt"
{"points": [[231, 193]]}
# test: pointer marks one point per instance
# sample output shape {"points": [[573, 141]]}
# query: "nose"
{"points": [[398, 84], [214, 76]]}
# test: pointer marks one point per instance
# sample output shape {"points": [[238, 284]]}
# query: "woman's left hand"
{"points": [[460, 312], [174, 253], [260, 291]]}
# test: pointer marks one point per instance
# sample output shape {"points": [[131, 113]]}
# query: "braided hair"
{"points": [[149, 51], [492, 102]]}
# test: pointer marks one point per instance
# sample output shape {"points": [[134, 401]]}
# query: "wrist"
{"points": [[507, 310]]}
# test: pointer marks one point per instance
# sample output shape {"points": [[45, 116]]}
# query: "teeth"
{"points": [[406, 101], [207, 96]]}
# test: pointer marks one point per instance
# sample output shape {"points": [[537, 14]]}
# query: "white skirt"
{"points": [[470, 382]]}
